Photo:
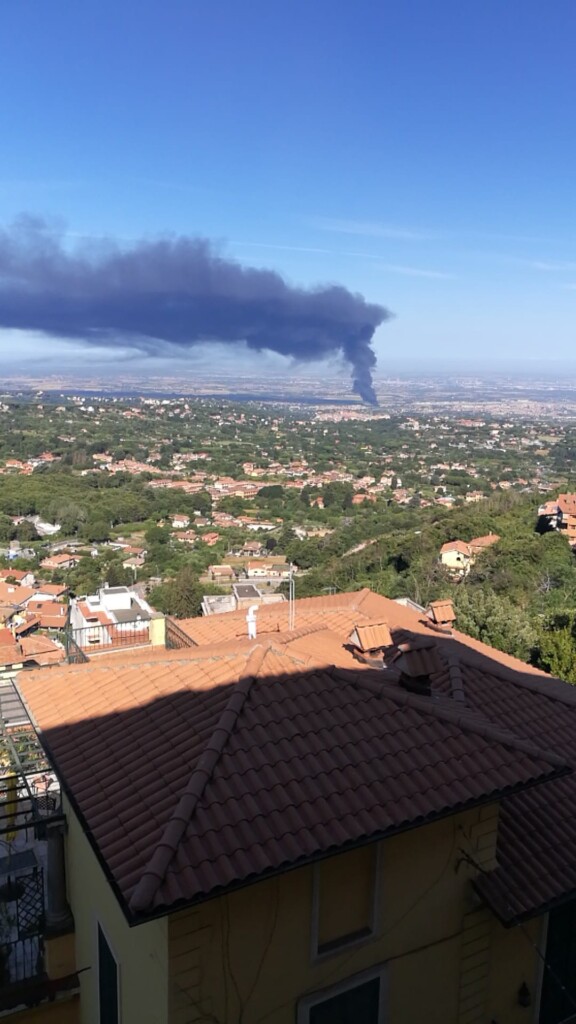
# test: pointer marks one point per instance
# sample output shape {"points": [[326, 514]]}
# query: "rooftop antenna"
{"points": [[291, 597]]}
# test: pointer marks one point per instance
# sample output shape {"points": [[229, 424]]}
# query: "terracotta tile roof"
{"points": [[549, 508], [206, 768], [38, 649], [10, 653], [42, 650], [51, 614], [30, 622], [94, 615], [55, 561], [54, 589], [480, 543], [567, 504], [14, 594], [537, 839], [16, 574], [271, 619], [455, 545]]}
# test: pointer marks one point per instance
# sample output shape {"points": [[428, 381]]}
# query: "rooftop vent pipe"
{"points": [[251, 621]]}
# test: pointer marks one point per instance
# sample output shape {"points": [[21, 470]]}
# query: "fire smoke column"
{"points": [[169, 295]]}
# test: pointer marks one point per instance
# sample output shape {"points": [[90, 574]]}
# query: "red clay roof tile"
{"points": [[205, 768]]}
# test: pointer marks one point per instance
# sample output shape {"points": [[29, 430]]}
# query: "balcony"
{"points": [[105, 637], [32, 887]]}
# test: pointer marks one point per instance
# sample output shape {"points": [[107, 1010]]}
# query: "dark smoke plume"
{"points": [[176, 292]]}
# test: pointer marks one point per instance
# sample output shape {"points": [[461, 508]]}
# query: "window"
{"points": [[344, 900], [107, 982], [359, 999]]}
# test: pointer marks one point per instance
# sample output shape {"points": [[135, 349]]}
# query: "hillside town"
{"points": [[164, 564]]}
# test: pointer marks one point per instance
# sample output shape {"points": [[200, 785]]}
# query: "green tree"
{"points": [[26, 532], [556, 653], [338, 495], [180, 597], [7, 528], [96, 530], [157, 535], [498, 623]]}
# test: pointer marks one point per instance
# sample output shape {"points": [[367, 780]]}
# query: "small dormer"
{"points": [[371, 639], [442, 613]]}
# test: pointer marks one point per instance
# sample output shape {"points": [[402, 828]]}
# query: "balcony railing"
{"points": [[31, 824], [176, 638], [105, 637], [74, 654], [21, 928]]}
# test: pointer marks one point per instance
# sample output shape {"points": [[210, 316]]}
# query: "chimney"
{"points": [[251, 621], [442, 613]]}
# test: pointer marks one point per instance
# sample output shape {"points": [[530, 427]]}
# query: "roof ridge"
{"points": [[165, 849], [294, 634], [464, 717], [452, 659], [282, 652], [541, 682]]}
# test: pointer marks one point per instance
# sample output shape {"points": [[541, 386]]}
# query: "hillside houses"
{"points": [[458, 556], [561, 515]]}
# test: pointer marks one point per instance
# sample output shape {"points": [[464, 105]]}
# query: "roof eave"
{"points": [[141, 917]]}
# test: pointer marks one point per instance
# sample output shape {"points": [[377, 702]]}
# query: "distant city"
{"points": [[421, 392]]}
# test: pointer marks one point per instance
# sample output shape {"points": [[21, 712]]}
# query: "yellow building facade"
{"points": [[403, 911]]}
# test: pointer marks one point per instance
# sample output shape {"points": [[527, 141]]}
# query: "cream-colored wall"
{"points": [[514, 961], [455, 561], [141, 952], [157, 630], [248, 955]]}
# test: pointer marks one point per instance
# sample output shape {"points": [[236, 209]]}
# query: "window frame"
{"points": [[318, 954], [307, 1003], [100, 928]]}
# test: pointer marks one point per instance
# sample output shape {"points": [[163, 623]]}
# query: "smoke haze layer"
{"points": [[176, 292]]}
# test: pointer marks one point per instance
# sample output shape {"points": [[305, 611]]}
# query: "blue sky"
{"points": [[421, 153]]}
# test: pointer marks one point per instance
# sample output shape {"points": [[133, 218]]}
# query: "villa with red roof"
{"points": [[341, 810]]}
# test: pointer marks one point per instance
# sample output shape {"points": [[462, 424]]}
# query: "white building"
{"points": [[112, 616]]}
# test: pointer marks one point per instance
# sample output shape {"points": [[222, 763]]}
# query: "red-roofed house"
{"points": [[180, 522], [62, 561], [50, 614], [566, 521], [51, 592], [14, 594], [456, 556], [480, 544], [21, 577], [210, 539], [275, 828]]}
